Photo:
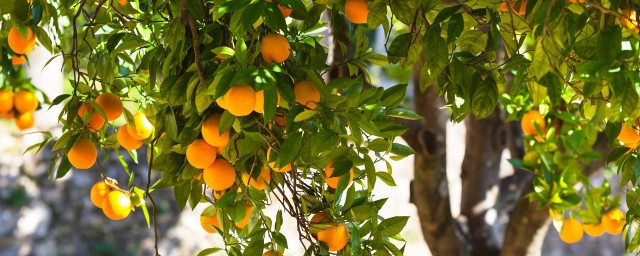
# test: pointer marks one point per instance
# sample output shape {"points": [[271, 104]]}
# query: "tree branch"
{"points": [[187, 20]]}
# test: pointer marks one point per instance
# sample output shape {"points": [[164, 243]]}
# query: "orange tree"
{"points": [[230, 99]]}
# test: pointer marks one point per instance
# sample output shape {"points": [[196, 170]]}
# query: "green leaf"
{"points": [[325, 139], [472, 41], [392, 226], [393, 96], [437, 57], [379, 145], [290, 149], [209, 251], [281, 240], [404, 114], [304, 115], [400, 45], [386, 178], [485, 98]]}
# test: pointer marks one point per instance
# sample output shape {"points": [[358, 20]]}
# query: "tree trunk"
{"points": [[430, 189], [480, 177]]}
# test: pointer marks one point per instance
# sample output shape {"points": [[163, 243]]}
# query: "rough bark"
{"points": [[429, 189], [480, 176]]}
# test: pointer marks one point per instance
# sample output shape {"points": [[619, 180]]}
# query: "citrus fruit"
{"points": [[20, 44], [207, 221], [143, 128], [82, 154], [25, 101], [123, 2], [99, 192], [356, 11], [333, 181], [263, 180], [285, 168], [240, 100], [513, 5], [529, 119], [571, 231], [24, 120], [247, 213], [286, 12], [306, 94], [211, 131], [593, 230], [272, 253], [125, 140], [116, 205], [18, 60], [200, 154], [96, 121], [274, 48], [629, 135], [259, 108], [335, 237], [631, 21], [613, 221], [111, 105], [220, 175], [6, 101]]}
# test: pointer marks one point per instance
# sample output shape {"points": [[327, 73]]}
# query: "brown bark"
{"points": [[429, 189], [480, 175]]}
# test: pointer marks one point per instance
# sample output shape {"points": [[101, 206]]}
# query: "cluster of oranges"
{"points": [[611, 222], [19, 106], [115, 203]]}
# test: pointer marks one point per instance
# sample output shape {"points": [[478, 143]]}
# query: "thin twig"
{"points": [[188, 21]]}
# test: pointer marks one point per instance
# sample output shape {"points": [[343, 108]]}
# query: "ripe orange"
{"points": [[25, 101], [259, 108], [319, 218], [593, 230], [24, 120], [512, 5], [20, 44], [356, 11], [205, 221], [272, 253], [211, 131], [306, 94], [219, 149], [221, 103], [247, 209], [18, 60], [6, 101], [629, 134], [576, 1], [143, 129], [99, 192], [83, 154], [116, 205], [613, 221], [274, 48], [631, 22], [96, 121], [240, 100], [123, 2], [7, 115], [111, 105], [333, 181], [200, 154], [263, 179], [125, 140], [286, 168], [528, 120], [220, 175], [334, 237], [571, 231], [286, 12]]}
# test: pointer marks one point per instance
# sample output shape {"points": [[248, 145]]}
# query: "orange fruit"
{"points": [[240, 100], [356, 11], [6, 101], [286, 12], [125, 140], [513, 4], [20, 44], [96, 121], [593, 230], [263, 179], [576, 1], [25, 101], [306, 94], [571, 231], [200, 154], [111, 105], [333, 181], [206, 221], [83, 154], [528, 120], [286, 168], [220, 175], [335, 237], [211, 131], [7, 115], [116, 205], [274, 48], [221, 103], [272, 253], [629, 135], [18, 60], [613, 221], [259, 108], [219, 149], [247, 212], [318, 218], [123, 2], [143, 129], [24, 120], [99, 192], [631, 22]]}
